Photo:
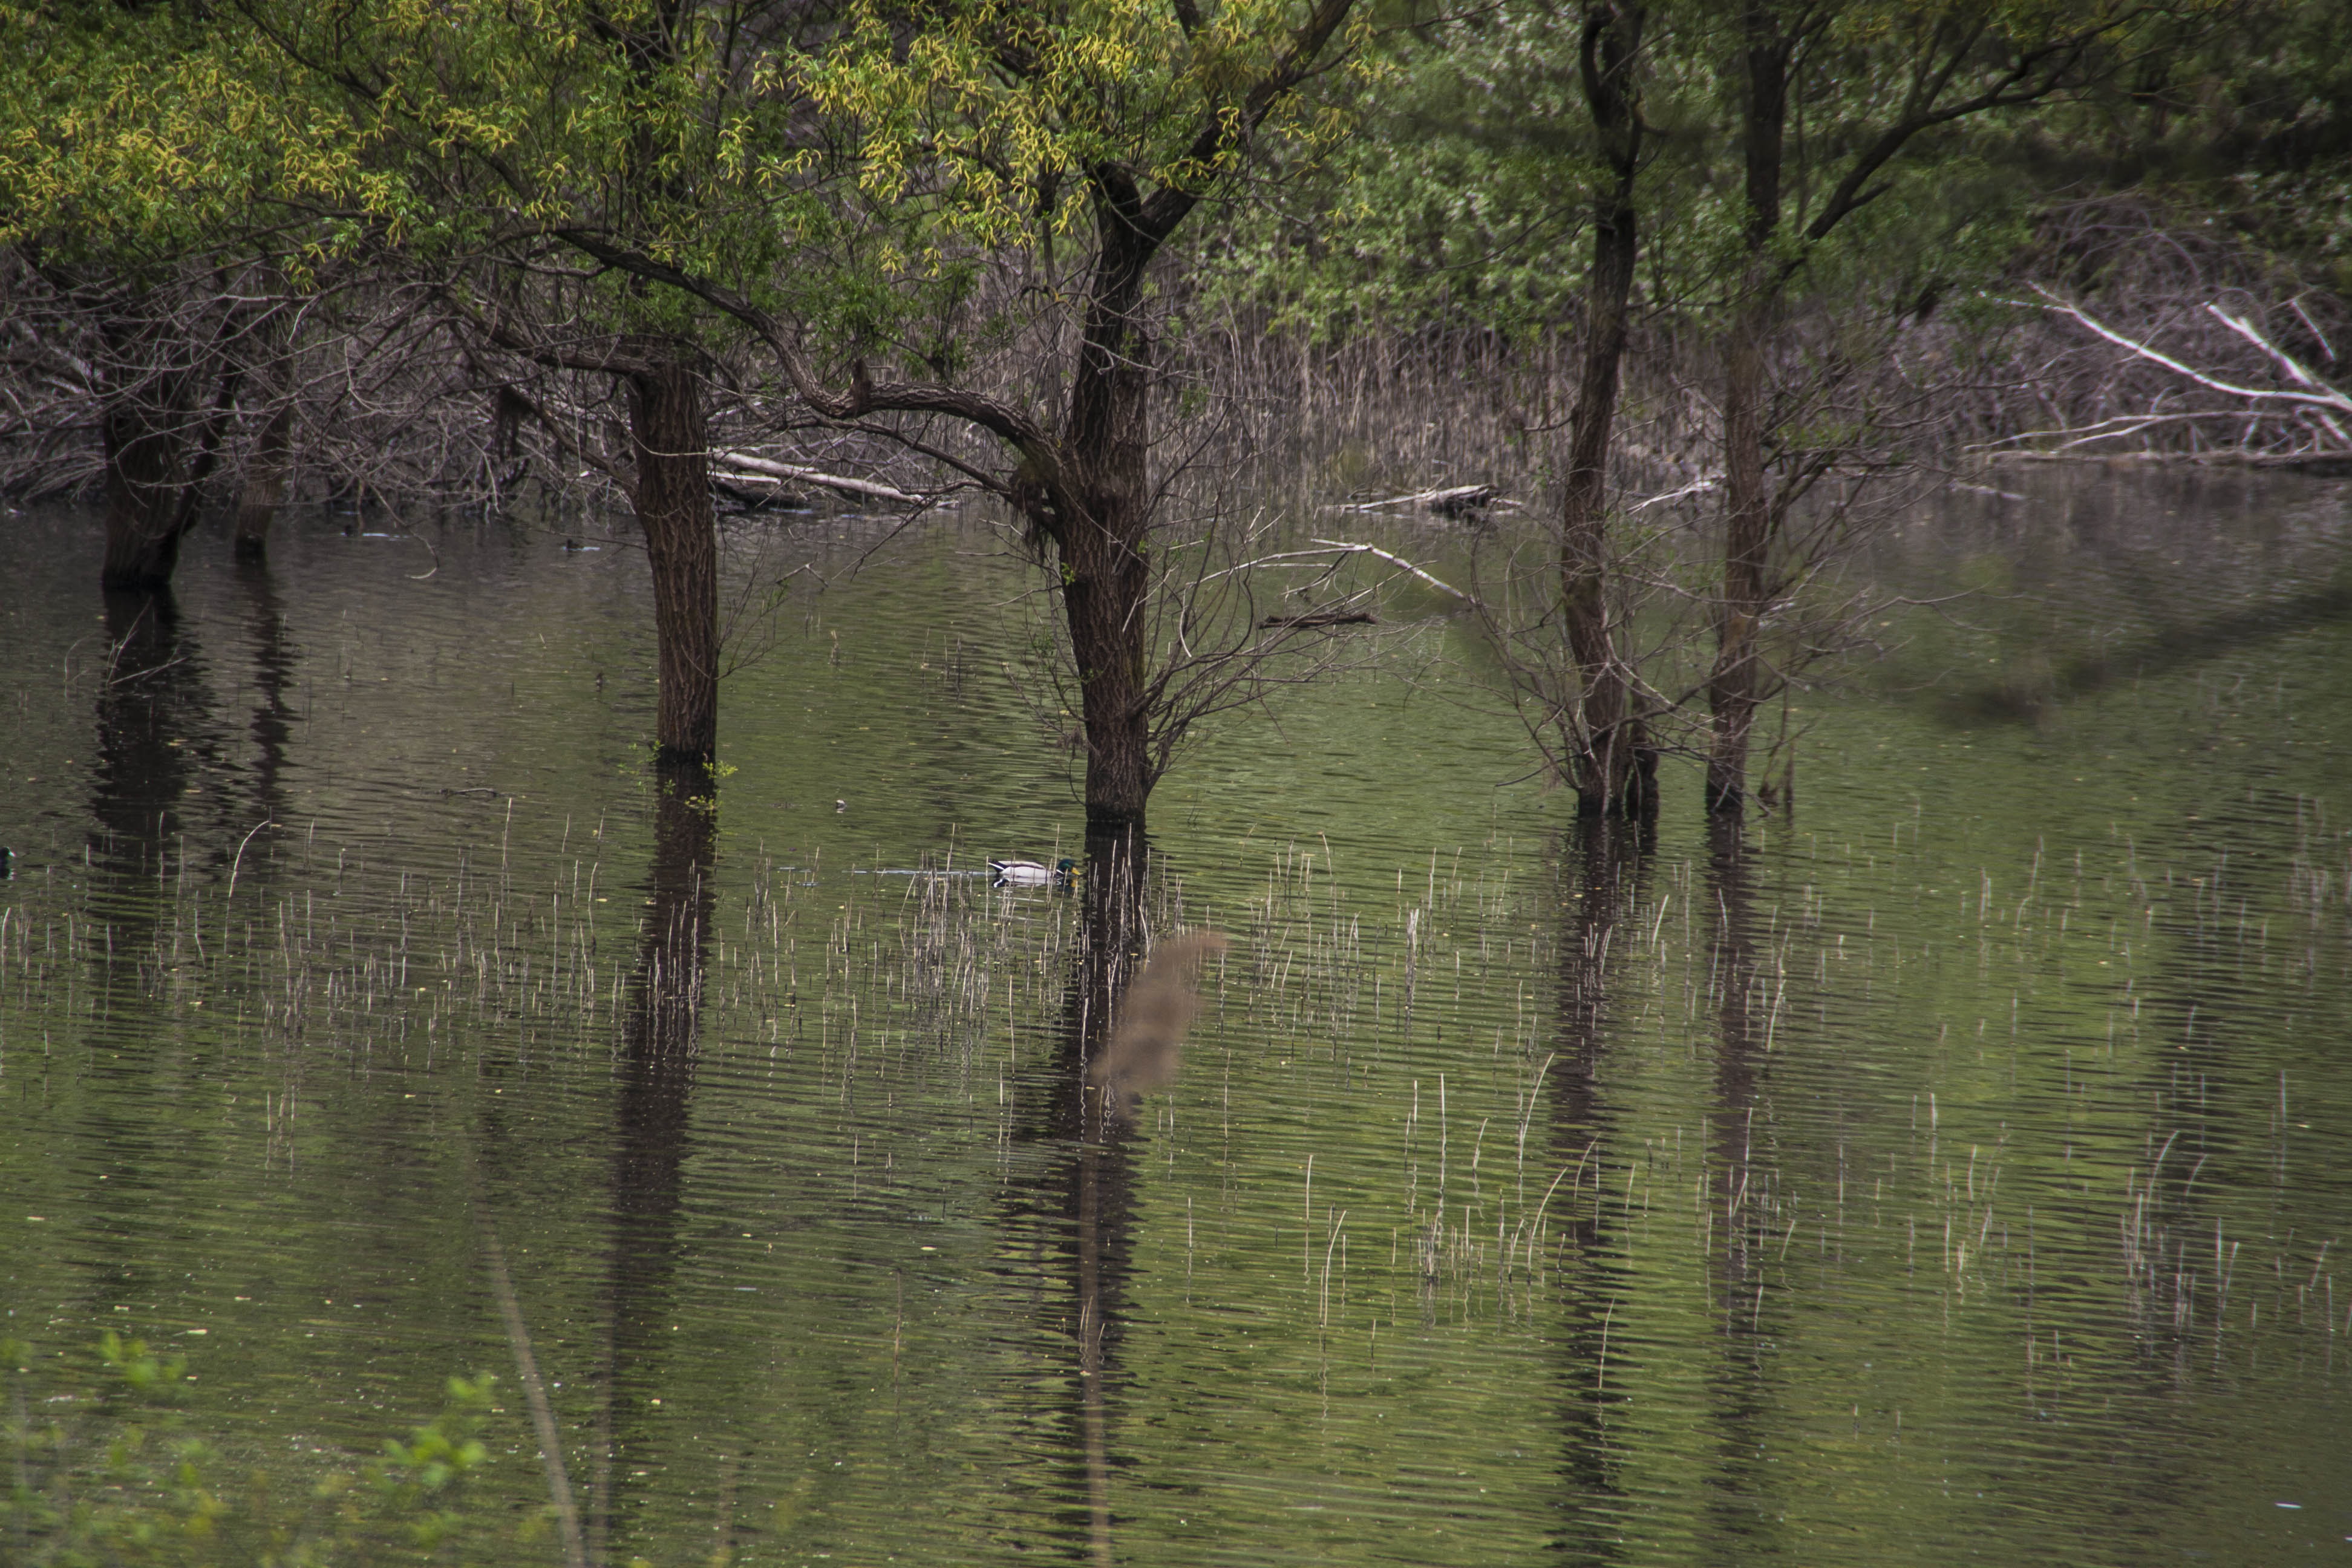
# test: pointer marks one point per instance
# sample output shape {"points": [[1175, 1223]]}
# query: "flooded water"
{"points": [[1957, 1168]]}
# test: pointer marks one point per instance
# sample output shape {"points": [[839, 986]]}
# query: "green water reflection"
{"points": [[1958, 1169]]}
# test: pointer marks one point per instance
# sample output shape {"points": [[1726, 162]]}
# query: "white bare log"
{"points": [[2286, 361], [1452, 497], [1696, 488], [2120, 425], [2292, 367], [2305, 316], [747, 463]]}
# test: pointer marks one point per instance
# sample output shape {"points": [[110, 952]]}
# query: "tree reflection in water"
{"points": [[661, 1016], [154, 722], [1083, 1197], [1607, 860], [1739, 1193], [274, 658]]}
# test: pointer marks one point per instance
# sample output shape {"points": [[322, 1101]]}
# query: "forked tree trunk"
{"points": [[1615, 771], [143, 486], [159, 451], [156, 468], [669, 444], [144, 429]]}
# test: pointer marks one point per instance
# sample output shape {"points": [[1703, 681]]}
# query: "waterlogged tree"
{"points": [[511, 149], [148, 159], [1840, 108], [1512, 160], [1789, 185], [1051, 154], [627, 189], [1614, 764]]}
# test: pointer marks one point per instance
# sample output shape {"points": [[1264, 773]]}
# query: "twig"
{"points": [[2128, 425], [1698, 487], [239, 860], [421, 576]]}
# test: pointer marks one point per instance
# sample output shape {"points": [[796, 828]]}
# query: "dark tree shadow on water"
{"points": [[661, 1021], [1739, 1194], [274, 715], [152, 723], [1081, 1196], [1604, 865], [2036, 688]]}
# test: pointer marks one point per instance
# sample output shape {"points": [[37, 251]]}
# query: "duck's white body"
{"points": [[1030, 873]]}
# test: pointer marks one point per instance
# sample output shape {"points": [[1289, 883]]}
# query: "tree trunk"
{"points": [[264, 485], [669, 446], [142, 499], [143, 429], [1615, 771], [1106, 575], [1735, 685], [148, 428]]}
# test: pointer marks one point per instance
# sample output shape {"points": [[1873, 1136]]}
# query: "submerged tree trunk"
{"points": [[1106, 575], [143, 427], [159, 450], [669, 446], [1615, 771], [266, 475], [1735, 685]]}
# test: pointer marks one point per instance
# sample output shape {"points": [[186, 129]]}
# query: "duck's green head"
{"points": [[1065, 867]]}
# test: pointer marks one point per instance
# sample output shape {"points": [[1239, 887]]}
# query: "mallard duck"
{"points": [[1034, 873]]}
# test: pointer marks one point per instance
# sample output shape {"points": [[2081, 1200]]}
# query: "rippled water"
{"points": [[1955, 1169]]}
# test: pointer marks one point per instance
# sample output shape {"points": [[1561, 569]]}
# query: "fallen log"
{"points": [[750, 495], [1451, 501], [749, 464], [1315, 618]]}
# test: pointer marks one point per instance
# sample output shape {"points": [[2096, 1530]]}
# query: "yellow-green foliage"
{"points": [[991, 110], [144, 133], [851, 174]]}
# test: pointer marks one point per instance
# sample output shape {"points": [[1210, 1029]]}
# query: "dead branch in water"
{"points": [[770, 469], [1451, 501], [1400, 561]]}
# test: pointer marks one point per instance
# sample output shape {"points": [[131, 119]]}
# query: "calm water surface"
{"points": [[1957, 1169]]}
